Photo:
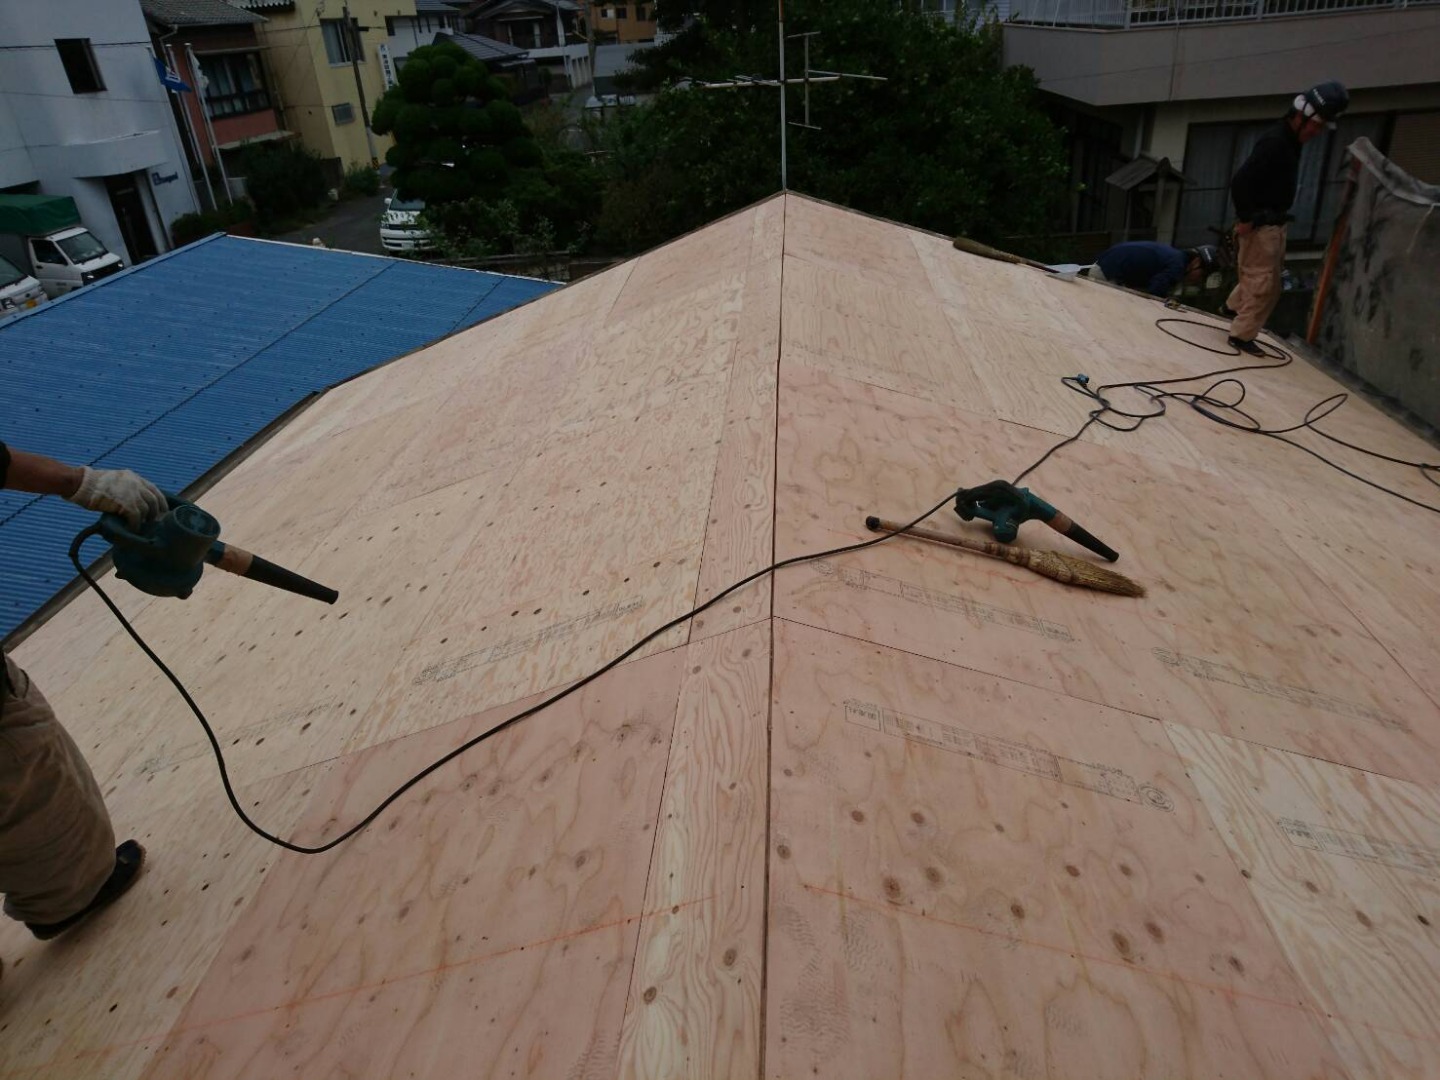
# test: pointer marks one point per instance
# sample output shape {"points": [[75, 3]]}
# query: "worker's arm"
{"points": [[1163, 283], [40, 475], [108, 491]]}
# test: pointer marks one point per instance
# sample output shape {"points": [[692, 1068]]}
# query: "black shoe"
{"points": [[1252, 347], [1228, 311], [129, 858]]}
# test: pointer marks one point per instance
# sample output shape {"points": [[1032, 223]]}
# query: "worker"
{"points": [[1158, 269], [58, 859], [1263, 190]]}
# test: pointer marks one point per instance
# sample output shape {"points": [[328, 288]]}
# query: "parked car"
{"points": [[18, 290], [400, 228], [44, 237]]}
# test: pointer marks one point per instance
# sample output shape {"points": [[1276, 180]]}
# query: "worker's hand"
{"points": [[120, 491], [1243, 228]]}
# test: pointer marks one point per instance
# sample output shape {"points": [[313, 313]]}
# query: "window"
{"points": [[46, 252], [79, 61], [622, 12], [338, 42], [1214, 151], [642, 13], [390, 25], [82, 247], [234, 84], [343, 113]]}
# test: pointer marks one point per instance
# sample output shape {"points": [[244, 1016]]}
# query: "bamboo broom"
{"points": [[1062, 568]]}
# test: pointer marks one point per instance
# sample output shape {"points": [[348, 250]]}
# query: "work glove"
{"points": [[120, 491]]}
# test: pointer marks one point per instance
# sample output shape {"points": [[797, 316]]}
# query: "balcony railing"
{"points": [[1125, 14]]}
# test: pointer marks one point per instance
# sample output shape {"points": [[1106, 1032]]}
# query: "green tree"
{"points": [[463, 148], [953, 142]]}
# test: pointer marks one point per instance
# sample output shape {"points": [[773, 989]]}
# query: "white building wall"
{"points": [[74, 140], [16, 168]]}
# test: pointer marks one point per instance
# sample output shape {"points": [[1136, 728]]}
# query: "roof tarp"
{"points": [[35, 215]]}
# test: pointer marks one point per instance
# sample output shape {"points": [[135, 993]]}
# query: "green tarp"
{"points": [[36, 215]]}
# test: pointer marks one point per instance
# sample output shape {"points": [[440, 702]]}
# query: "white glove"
{"points": [[120, 491]]}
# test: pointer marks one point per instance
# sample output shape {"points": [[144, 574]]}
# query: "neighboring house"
{"points": [[1193, 86], [552, 31], [317, 59], [512, 64], [623, 23], [212, 46], [610, 61], [83, 113], [406, 33]]}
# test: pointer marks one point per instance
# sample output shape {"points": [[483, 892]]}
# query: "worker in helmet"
{"points": [[1263, 190], [58, 859], [1158, 269]]}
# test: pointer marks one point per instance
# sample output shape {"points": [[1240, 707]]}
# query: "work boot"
{"points": [[1252, 347], [129, 859]]}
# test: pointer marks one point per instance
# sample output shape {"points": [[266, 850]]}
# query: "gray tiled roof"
{"points": [[197, 13], [483, 48]]}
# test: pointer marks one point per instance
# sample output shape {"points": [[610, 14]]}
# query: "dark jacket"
{"points": [[1264, 187], [1143, 264]]}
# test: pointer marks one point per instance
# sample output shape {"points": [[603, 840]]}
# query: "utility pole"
{"points": [[190, 127], [352, 33], [205, 116], [590, 37], [784, 130]]}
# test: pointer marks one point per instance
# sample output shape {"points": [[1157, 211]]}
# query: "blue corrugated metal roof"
{"points": [[170, 366]]}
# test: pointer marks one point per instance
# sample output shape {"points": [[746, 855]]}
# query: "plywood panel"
{"points": [[503, 878], [694, 1003], [689, 262], [276, 706], [1346, 866], [820, 235], [1239, 638], [971, 877], [739, 533]]}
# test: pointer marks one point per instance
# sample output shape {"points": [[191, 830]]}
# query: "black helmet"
{"points": [[1326, 100], [1208, 255]]}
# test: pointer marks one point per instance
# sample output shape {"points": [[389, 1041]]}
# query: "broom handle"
{"points": [[982, 547]]}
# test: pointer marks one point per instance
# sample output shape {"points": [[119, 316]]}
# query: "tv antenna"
{"points": [[811, 75]]}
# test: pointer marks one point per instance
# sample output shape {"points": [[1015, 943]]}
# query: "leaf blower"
{"points": [[166, 557]]}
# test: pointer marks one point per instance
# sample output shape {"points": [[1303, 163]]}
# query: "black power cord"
{"points": [[303, 849], [1202, 402]]}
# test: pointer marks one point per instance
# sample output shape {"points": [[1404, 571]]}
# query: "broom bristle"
{"points": [[1072, 571]]}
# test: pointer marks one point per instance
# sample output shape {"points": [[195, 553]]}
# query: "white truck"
{"points": [[42, 235], [18, 290]]}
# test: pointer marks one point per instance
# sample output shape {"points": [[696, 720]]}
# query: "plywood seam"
{"points": [[1364, 625], [629, 271], [714, 483], [650, 861], [1093, 701], [769, 823], [770, 689], [1312, 1010]]}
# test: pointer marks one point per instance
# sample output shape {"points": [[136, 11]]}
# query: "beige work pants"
{"points": [[57, 847], [1260, 261]]}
